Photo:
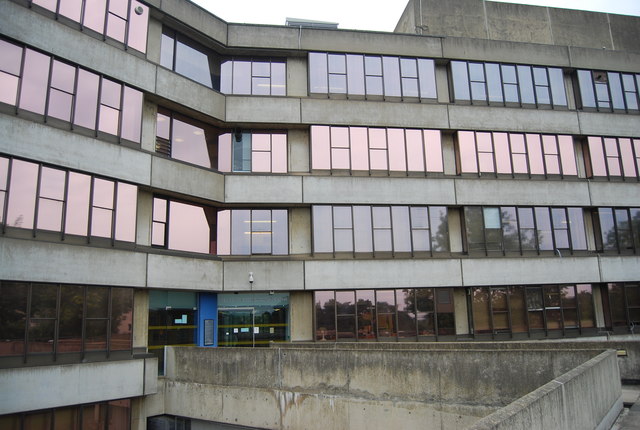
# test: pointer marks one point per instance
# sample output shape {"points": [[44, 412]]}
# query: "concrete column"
{"points": [[301, 313], [141, 320], [144, 217], [300, 231], [460, 310], [299, 144], [297, 77], [154, 39], [149, 112]]}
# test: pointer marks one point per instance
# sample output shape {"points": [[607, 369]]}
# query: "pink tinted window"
{"points": [[415, 151], [119, 7], [163, 126], [77, 212], [188, 144], [377, 138], [636, 149], [378, 149], [279, 153], [60, 104], [567, 155], [261, 142], [10, 58], [138, 27], [485, 152], [433, 150], [116, 27], [63, 76], [22, 196], [131, 114], [340, 148], [320, 152], [518, 153], [4, 170], [613, 157], [359, 149], [467, 150], [94, 12], [224, 232], [551, 158], [34, 81], [71, 9], [126, 205], [47, 4], [109, 119], [8, 88], [159, 222], [102, 210], [261, 152], [535, 154], [596, 154], [63, 79], [52, 183], [188, 228], [627, 157], [86, 99], [397, 155], [503, 158], [224, 152], [110, 93]]}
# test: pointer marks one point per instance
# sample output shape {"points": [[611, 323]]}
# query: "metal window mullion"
{"points": [[114, 212], [535, 228], [126, 28], [486, 84], [468, 86], [330, 149], [333, 231], [553, 229], [37, 202], [349, 151], [83, 7], [373, 235], [106, 20], [615, 228], [435, 314], [504, 97], [493, 155], [109, 319], [27, 322], [346, 77], [546, 72], [429, 229], [48, 93], [83, 341], [353, 233], [99, 105], [493, 329], [5, 209], [424, 153], [56, 328], [65, 198], [568, 220], [476, 151], [91, 206], [121, 113], [386, 141], [484, 232], [513, 173], [411, 235], [384, 90], [74, 99], [328, 96], [369, 150], [620, 165]]}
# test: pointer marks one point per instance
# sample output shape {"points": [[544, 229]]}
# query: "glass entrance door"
{"points": [[236, 327]]}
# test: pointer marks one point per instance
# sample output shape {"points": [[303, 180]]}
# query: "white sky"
{"points": [[380, 15]]}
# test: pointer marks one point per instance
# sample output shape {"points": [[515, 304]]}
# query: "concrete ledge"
{"points": [[614, 193], [619, 268], [269, 110], [239, 188], [167, 174], [189, 93], [34, 388], [588, 396]]}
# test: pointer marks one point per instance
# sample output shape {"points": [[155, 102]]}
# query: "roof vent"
{"points": [[307, 23]]}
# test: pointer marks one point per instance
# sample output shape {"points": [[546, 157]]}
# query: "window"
{"points": [[374, 229], [373, 77], [42, 198], [47, 320], [568, 308], [521, 229], [253, 232], [123, 20], [617, 229], [624, 305], [386, 150], [612, 157], [515, 154], [190, 59], [400, 314], [249, 76], [183, 226], [607, 91], [253, 151], [71, 95], [507, 85]]}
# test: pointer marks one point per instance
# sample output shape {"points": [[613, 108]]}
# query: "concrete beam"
{"points": [[267, 275], [268, 110], [186, 179], [189, 93], [183, 273], [262, 189], [521, 192]]}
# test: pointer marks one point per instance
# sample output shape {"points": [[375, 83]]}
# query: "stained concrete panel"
{"points": [[614, 194], [197, 17], [262, 36], [580, 28], [609, 124], [461, 18], [370, 113], [270, 110], [368, 190], [65, 42], [604, 59], [27, 260], [526, 271], [183, 273], [340, 274], [41, 142], [183, 178], [625, 32], [262, 189], [525, 192], [619, 268], [267, 275], [189, 93], [519, 23]]}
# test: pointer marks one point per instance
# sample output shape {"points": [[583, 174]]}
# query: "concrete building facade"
{"points": [[171, 179]]}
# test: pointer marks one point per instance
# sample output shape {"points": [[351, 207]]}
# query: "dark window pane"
{"points": [[481, 314], [607, 229], [325, 315], [97, 302], [70, 324], [386, 307], [494, 82], [510, 229], [355, 75], [41, 336], [366, 314], [44, 299], [193, 64], [121, 319], [405, 300], [13, 311], [526, 85], [474, 228], [391, 67], [318, 73], [96, 335]]}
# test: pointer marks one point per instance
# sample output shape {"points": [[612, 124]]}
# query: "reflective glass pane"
{"points": [[355, 74], [70, 322], [578, 232], [86, 99], [526, 85], [391, 74], [322, 228], [396, 145], [131, 114], [8, 88], [44, 299], [401, 229], [189, 228], [337, 63], [13, 308], [427, 78], [607, 229], [585, 304], [318, 75], [167, 45], [126, 212], [193, 64], [279, 153], [378, 158], [320, 147], [415, 150], [109, 119], [241, 77], [467, 150], [278, 79], [596, 156], [386, 311], [362, 229], [406, 302], [10, 58], [138, 24], [627, 158], [280, 229], [373, 65], [41, 336], [518, 310], [35, 79], [224, 152], [536, 164], [95, 335], [325, 313], [189, 143], [567, 155], [439, 228], [359, 148], [494, 83], [366, 309], [94, 12], [510, 228], [557, 86], [460, 80], [116, 27], [261, 231], [77, 216], [224, 233], [22, 195], [260, 86], [615, 87], [503, 159], [543, 224]]}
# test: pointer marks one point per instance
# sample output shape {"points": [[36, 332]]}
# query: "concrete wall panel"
{"points": [[525, 192], [341, 274], [262, 189], [605, 59], [74, 384], [614, 194], [625, 32], [26, 260], [41, 142], [184, 273], [520, 23], [526, 271], [580, 28], [269, 110], [65, 42], [369, 113], [366, 190], [186, 179], [189, 93], [199, 19], [613, 124], [512, 119], [267, 275], [262, 36], [301, 312], [619, 269]]}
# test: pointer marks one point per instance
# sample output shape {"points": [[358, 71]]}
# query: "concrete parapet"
{"points": [[587, 397]]}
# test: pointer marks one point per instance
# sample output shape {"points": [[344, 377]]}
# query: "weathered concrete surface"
{"points": [[294, 387], [587, 397]]}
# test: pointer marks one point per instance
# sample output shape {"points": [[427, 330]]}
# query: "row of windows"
{"points": [[380, 229], [376, 149], [38, 83], [612, 157], [194, 228], [608, 91], [508, 84], [505, 311], [185, 139], [123, 20], [52, 320], [33, 196], [242, 76], [617, 229], [373, 77]]}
